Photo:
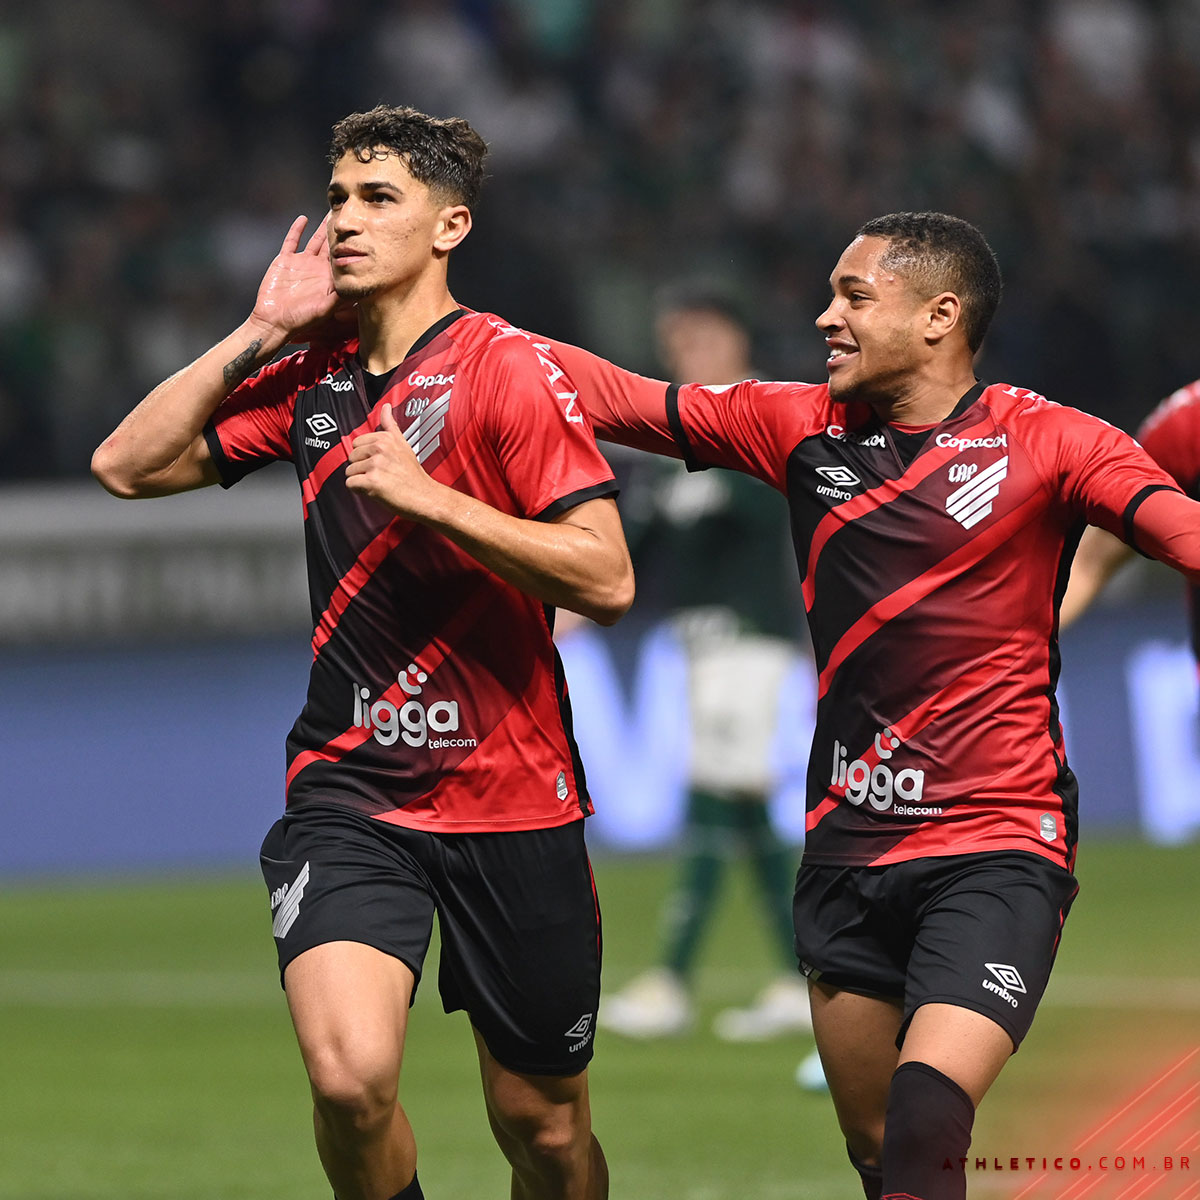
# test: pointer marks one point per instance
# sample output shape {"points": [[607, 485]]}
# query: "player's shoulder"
{"points": [[485, 338], [1023, 408], [1179, 412]]}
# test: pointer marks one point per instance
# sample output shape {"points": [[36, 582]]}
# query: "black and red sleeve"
{"points": [[253, 425]]}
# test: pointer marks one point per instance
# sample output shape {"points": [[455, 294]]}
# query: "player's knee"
{"points": [[864, 1140], [355, 1096], [548, 1133]]}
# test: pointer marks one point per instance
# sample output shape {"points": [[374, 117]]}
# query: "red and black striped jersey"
{"points": [[932, 562], [436, 698], [1171, 436]]}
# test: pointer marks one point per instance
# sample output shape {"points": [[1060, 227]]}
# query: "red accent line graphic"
{"points": [[1144, 1134]]}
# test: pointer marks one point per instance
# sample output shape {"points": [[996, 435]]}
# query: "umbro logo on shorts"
{"points": [[1009, 976], [581, 1027], [1010, 981], [581, 1031], [285, 903]]}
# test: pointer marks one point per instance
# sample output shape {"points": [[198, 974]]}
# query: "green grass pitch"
{"points": [[145, 1051]]}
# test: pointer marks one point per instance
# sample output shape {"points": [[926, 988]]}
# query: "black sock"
{"points": [[412, 1192], [872, 1177], [926, 1134]]}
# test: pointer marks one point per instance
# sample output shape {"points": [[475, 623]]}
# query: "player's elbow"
{"points": [[613, 598], [113, 475]]}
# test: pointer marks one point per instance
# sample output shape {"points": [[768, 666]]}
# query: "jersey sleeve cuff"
{"points": [[596, 492], [675, 423], [1130, 513], [229, 472]]}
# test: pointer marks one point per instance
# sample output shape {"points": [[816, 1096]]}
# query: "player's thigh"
{"points": [[352, 919], [521, 945], [963, 1044], [988, 934], [554, 1110], [856, 1037], [349, 1005]]}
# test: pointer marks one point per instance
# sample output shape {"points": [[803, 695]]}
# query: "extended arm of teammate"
{"points": [[159, 448], [576, 561], [624, 407]]}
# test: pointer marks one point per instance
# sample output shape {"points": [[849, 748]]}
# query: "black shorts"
{"points": [[517, 914], [976, 930]]}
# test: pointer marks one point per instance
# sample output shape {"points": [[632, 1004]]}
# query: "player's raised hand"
{"points": [[296, 295], [383, 466]]}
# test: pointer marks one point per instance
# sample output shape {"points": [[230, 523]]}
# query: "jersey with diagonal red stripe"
{"points": [[1171, 436], [436, 698], [931, 575]]}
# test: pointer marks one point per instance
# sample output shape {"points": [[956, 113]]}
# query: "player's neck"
{"points": [[389, 325], [926, 401]]}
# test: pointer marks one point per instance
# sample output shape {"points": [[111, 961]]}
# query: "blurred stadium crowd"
{"points": [[152, 153]]}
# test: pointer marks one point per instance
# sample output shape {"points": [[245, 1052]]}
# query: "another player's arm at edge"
{"points": [[159, 448], [1099, 557], [576, 560]]}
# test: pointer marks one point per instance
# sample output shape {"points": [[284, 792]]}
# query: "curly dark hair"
{"points": [[936, 253], [445, 154]]}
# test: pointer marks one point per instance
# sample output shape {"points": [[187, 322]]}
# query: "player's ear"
{"points": [[943, 315], [454, 223]]}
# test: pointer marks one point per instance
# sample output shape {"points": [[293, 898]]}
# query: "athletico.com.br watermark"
{"points": [[1147, 1147], [1045, 1164]]}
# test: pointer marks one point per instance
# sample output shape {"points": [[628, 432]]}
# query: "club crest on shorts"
{"points": [[285, 903]]}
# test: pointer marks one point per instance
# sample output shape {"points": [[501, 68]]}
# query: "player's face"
{"points": [[385, 227], [874, 326]]}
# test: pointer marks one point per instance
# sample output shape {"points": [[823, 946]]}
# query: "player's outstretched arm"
{"points": [[1167, 527], [576, 561], [1099, 557], [159, 447], [624, 407]]}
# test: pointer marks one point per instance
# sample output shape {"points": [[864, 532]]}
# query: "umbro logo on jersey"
{"points": [[969, 504], [321, 424], [842, 476], [1009, 981], [285, 903]]}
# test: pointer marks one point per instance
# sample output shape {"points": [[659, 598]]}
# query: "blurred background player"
{"points": [[1171, 436], [712, 548]]}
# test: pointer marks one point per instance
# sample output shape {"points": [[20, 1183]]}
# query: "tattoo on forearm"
{"points": [[240, 367]]}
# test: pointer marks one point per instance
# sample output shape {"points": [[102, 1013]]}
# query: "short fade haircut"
{"points": [[939, 253], [444, 153]]}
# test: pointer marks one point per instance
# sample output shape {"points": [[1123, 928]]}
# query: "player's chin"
{"points": [[352, 289]]}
